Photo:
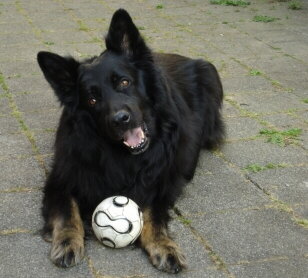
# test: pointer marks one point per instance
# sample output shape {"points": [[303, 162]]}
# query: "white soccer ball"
{"points": [[117, 221]]}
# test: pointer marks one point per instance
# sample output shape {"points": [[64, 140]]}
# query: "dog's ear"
{"points": [[61, 73], [123, 36]]}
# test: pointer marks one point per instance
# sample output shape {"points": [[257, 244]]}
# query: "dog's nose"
{"points": [[121, 117]]}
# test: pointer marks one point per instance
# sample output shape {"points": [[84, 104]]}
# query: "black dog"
{"points": [[133, 124]]}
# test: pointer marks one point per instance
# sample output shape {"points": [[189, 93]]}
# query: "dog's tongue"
{"points": [[133, 137]]}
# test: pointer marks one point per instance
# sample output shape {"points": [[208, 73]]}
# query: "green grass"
{"points": [[82, 26], [2, 83], [184, 220], [255, 168], [94, 40], [295, 5], [302, 222], [264, 18], [305, 100], [282, 206], [230, 3], [49, 43], [281, 138], [159, 6], [52, 130], [255, 72]]}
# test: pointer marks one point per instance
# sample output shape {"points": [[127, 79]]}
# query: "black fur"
{"points": [[177, 98]]}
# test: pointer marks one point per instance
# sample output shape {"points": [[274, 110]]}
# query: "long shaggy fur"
{"points": [[177, 98]]}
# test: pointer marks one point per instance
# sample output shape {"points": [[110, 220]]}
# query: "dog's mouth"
{"points": [[137, 139]]}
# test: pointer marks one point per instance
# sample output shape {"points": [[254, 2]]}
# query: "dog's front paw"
{"points": [[165, 255], [67, 249]]}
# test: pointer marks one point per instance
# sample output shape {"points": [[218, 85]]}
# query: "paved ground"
{"points": [[245, 213]]}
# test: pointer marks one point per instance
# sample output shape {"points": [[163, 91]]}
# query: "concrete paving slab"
{"points": [[15, 28], [14, 144], [9, 14], [61, 36], [21, 68], [26, 255], [287, 184], [21, 173], [240, 128], [295, 81], [246, 84], [29, 84], [45, 100], [10, 40], [45, 141], [230, 111], [43, 120], [260, 152], [302, 210], [251, 235], [284, 267], [219, 192], [4, 105], [20, 52], [21, 210], [276, 63], [271, 102], [8, 124], [286, 121]]}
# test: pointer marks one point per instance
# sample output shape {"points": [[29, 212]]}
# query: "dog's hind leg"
{"points": [[163, 252], [67, 237]]}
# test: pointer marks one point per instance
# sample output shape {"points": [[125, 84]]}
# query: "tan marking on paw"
{"points": [[67, 239], [163, 252]]}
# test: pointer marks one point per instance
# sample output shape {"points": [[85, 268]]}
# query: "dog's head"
{"points": [[111, 88]]}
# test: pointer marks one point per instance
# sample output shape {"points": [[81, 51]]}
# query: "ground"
{"points": [[245, 213]]}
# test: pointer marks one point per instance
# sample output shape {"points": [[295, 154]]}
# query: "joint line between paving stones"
{"points": [[273, 82], [260, 40], [277, 204], [216, 259], [267, 44], [9, 232], [271, 259], [255, 116], [92, 269], [36, 31], [78, 21], [25, 129], [24, 156], [21, 190], [96, 273]]}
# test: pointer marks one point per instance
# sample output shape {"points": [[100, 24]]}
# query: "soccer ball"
{"points": [[117, 221]]}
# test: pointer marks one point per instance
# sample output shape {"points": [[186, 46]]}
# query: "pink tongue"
{"points": [[133, 137]]}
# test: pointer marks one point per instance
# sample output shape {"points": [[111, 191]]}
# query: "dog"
{"points": [[133, 123]]}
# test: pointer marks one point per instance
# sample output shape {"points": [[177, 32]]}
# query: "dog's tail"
{"points": [[212, 93]]}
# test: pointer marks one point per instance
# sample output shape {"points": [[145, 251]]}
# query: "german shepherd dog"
{"points": [[133, 124]]}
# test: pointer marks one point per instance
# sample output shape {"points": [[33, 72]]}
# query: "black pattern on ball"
{"points": [[130, 225], [119, 204]]}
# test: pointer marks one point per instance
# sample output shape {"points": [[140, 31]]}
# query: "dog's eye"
{"points": [[92, 102], [124, 83]]}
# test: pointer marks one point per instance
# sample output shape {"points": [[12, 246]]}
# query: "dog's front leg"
{"points": [[163, 252], [67, 237]]}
